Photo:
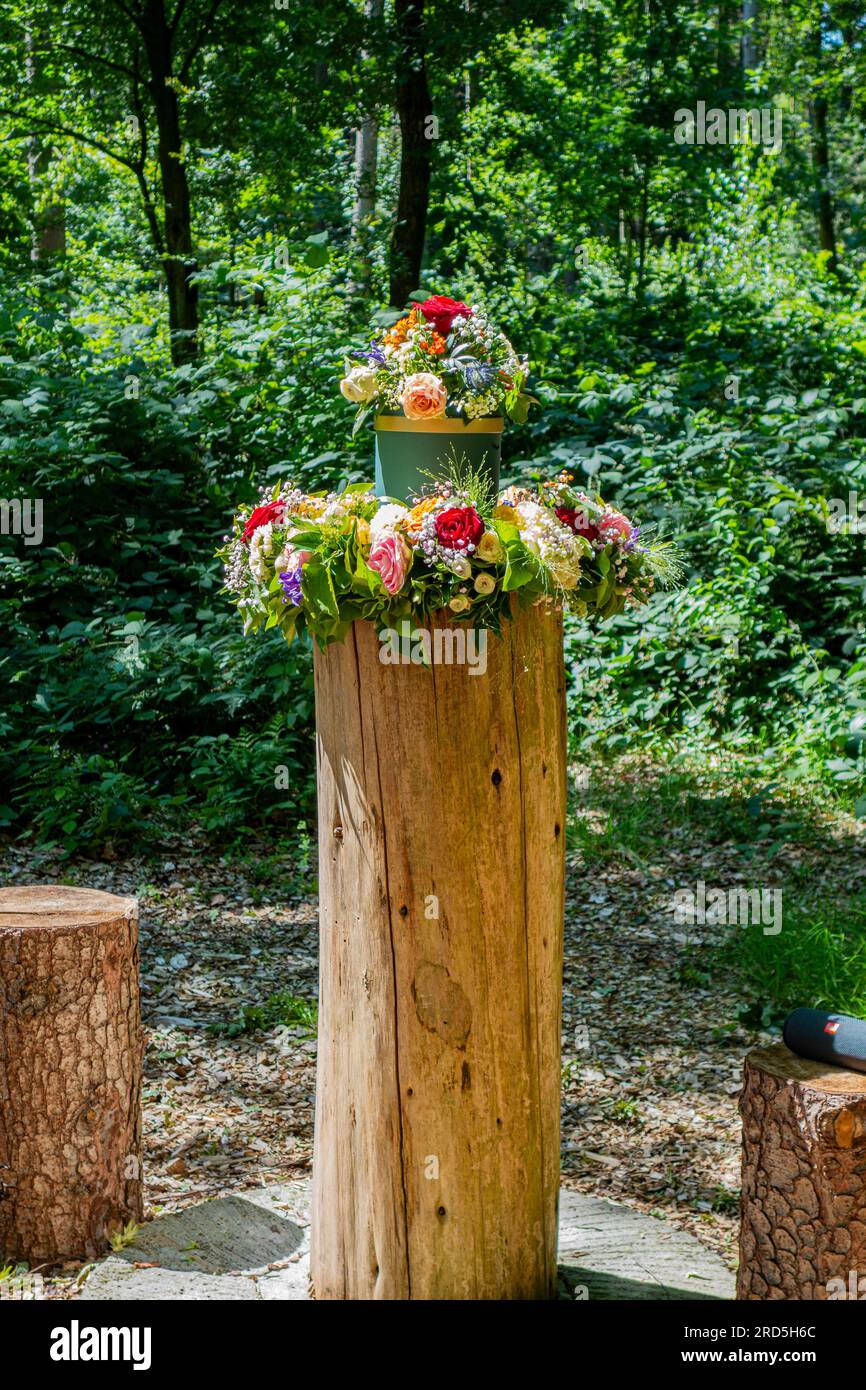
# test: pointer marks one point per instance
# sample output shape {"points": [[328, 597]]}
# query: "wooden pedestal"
{"points": [[442, 847]]}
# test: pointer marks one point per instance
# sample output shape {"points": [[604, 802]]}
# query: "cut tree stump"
{"points": [[804, 1177], [441, 872], [70, 1072]]}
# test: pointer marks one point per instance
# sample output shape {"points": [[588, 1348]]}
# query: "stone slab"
{"points": [[227, 1249], [617, 1253]]}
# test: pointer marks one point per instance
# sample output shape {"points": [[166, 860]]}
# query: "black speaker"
{"points": [[836, 1038]]}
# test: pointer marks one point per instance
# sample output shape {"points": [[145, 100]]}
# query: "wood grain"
{"points": [[804, 1177], [442, 832], [70, 1072]]}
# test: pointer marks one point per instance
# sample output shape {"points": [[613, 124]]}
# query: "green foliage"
{"points": [[698, 358], [130, 692], [818, 960], [280, 1009], [123, 1236]]}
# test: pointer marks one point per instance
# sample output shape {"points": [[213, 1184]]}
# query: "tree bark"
{"points": [[179, 262], [414, 112], [49, 221], [366, 138], [804, 1197], [49, 217], [821, 165], [366, 164], [70, 1072], [441, 848], [750, 35]]}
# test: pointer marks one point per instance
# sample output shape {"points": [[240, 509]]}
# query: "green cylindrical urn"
{"points": [[408, 452]]}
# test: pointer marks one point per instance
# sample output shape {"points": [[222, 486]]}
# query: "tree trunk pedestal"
{"points": [[803, 1224], [441, 865], [70, 1072]]}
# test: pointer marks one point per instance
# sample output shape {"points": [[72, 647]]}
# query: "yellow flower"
{"points": [[484, 584], [362, 533], [488, 547], [505, 513], [459, 603]]}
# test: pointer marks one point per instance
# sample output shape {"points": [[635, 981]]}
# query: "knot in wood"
{"points": [[441, 1004]]}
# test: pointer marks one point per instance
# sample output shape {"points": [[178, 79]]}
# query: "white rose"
{"points": [[359, 385], [386, 521], [262, 544]]}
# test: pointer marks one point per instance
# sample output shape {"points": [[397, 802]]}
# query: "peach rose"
{"points": [[424, 397], [390, 558]]}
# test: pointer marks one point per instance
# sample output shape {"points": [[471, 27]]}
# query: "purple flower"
{"points": [[373, 355], [632, 543], [290, 583]]}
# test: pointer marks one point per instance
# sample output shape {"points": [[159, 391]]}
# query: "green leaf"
{"points": [[318, 589], [316, 255], [519, 409]]}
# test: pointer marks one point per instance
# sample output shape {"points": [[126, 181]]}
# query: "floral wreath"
{"points": [[320, 562]]}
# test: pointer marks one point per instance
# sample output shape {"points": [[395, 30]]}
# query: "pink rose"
{"points": [[614, 524], [297, 558], [390, 558], [423, 397]]}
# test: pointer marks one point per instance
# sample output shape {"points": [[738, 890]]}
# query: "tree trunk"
{"points": [[642, 226], [821, 164], [366, 162], [179, 263], [49, 215], [803, 1231], [750, 35], [49, 220], [441, 848], [366, 138], [70, 1072], [414, 111]]}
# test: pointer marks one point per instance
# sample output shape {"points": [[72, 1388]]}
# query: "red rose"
{"points": [[578, 522], [442, 311], [271, 511], [459, 527]]}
